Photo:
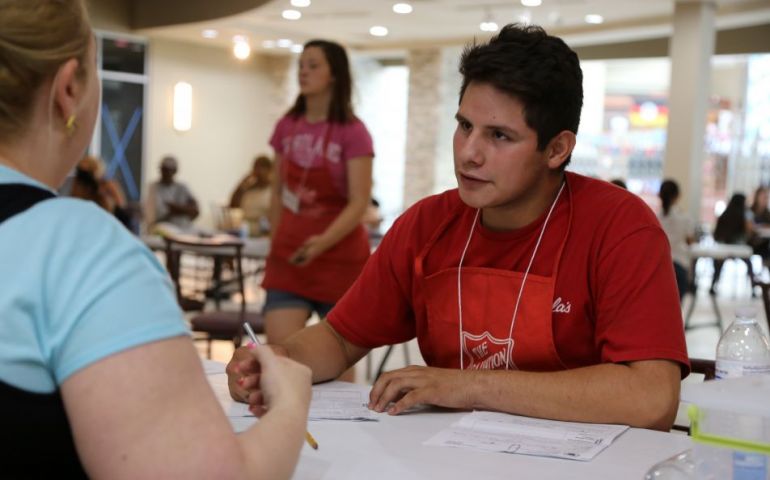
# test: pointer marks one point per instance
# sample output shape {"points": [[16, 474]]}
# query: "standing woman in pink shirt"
{"points": [[323, 173]]}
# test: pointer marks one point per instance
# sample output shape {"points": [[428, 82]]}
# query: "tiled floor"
{"points": [[733, 291]]}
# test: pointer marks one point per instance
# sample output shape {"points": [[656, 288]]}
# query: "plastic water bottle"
{"points": [[743, 349], [678, 467]]}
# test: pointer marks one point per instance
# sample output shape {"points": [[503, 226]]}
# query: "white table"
{"points": [[719, 251], [763, 231], [392, 449], [714, 251]]}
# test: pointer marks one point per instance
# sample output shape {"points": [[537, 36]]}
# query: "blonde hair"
{"points": [[36, 38]]}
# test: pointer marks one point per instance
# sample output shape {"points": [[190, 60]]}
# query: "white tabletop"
{"points": [[762, 231], [392, 449], [720, 251]]}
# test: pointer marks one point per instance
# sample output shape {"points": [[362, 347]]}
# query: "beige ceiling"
{"points": [[450, 22]]}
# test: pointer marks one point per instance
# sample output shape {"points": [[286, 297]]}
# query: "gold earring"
{"points": [[71, 125]]}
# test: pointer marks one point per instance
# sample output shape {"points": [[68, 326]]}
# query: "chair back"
{"points": [[195, 266]]}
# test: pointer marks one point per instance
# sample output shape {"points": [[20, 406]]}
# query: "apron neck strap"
{"points": [[523, 281]]}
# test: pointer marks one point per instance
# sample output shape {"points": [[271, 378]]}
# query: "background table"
{"points": [[392, 449], [718, 252], [253, 248]]}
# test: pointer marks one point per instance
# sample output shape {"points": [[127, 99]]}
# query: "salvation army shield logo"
{"points": [[487, 352]]}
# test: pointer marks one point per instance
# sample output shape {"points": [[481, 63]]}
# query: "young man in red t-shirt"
{"points": [[530, 290]]}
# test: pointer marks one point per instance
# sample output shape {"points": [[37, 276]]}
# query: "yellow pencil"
{"points": [[308, 438]]}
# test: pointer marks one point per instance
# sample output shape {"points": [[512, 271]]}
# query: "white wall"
{"points": [[380, 100], [234, 110]]}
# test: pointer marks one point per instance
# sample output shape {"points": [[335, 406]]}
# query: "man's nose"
{"points": [[470, 152]]}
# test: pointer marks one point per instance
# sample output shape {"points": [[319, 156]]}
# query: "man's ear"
{"points": [[559, 149], [67, 89]]}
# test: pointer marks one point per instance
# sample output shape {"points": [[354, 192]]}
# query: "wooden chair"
{"points": [[196, 267], [707, 368]]}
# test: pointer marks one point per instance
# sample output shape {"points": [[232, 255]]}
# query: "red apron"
{"points": [[488, 301], [330, 274]]}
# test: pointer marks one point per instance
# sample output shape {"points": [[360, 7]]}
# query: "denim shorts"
{"points": [[278, 299]]}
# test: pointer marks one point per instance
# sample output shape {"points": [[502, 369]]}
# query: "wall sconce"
{"points": [[182, 106]]}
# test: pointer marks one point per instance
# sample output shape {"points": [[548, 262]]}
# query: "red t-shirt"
{"points": [[615, 298]]}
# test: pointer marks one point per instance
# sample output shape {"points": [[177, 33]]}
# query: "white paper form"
{"points": [[341, 401], [330, 401], [500, 432], [211, 367]]}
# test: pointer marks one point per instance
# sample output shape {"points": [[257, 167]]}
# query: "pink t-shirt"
{"points": [[302, 142]]}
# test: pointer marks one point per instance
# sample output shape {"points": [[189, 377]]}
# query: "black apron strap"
{"points": [[17, 197], [36, 434]]}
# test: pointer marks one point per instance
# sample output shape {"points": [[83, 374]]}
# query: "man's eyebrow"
{"points": [[503, 128]]}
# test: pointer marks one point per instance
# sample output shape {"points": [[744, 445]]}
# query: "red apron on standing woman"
{"points": [[318, 203], [487, 298]]}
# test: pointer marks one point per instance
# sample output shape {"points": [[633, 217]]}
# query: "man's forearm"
{"points": [[322, 349], [641, 394]]}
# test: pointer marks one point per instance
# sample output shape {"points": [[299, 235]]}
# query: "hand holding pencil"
{"points": [[280, 381]]}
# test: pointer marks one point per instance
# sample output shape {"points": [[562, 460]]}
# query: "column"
{"points": [[690, 51], [282, 70], [423, 120]]}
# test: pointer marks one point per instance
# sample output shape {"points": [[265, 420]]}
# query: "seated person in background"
{"points": [[759, 215], [99, 377], [732, 227], [89, 184], [530, 290], [170, 201], [679, 230], [252, 195]]}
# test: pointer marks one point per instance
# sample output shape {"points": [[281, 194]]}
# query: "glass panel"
{"points": [[120, 55], [121, 134]]}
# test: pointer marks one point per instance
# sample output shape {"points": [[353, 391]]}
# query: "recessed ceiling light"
{"points": [[210, 33], [241, 50], [488, 26], [531, 3], [594, 18], [300, 3], [284, 43], [268, 44], [291, 14], [297, 48], [378, 31], [402, 8]]}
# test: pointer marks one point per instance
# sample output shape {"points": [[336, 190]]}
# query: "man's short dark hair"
{"points": [[537, 69]]}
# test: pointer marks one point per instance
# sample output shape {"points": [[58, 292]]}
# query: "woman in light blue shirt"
{"points": [[98, 374]]}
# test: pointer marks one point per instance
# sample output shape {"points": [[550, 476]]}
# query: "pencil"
{"points": [[308, 438]]}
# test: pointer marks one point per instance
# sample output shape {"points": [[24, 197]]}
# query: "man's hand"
{"points": [[415, 385]]}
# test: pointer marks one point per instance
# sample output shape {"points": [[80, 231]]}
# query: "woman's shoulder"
{"points": [[76, 221], [286, 121]]}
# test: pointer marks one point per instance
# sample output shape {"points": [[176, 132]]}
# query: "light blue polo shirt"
{"points": [[75, 287]]}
